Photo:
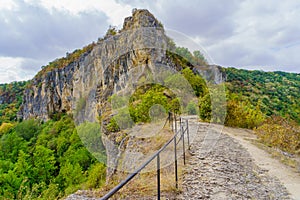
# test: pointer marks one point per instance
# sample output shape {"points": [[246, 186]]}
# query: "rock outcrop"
{"points": [[102, 71], [115, 64], [96, 74]]}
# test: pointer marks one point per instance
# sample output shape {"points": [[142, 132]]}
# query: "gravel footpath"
{"points": [[227, 171]]}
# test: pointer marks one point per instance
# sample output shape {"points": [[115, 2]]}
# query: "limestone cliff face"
{"points": [[85, 84], [49, 94], [95, 75], [114, 64]]}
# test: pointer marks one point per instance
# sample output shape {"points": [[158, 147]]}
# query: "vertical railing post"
{"points": [[175, 154], [169, 118], [183, 145], [188, 133], [180, 120], [158, 177], [175, 123]]}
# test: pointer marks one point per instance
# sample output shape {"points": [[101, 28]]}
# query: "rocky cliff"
{"points": [[96, 74], [117, 64]]}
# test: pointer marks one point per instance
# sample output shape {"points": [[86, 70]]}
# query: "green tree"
{"points": [[191, 108], [71, 174], [28, 129], [197, 83], [96, 176], [44, 164]]}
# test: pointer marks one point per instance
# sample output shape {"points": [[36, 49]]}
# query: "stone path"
{"points": [[226, 171]]}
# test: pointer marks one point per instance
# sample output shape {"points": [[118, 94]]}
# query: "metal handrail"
{"points": [[181, 131]]}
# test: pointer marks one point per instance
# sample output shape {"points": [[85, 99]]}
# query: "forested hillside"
{"points": [[46, 160], [11, 96], [277, 93], [277, 96]]}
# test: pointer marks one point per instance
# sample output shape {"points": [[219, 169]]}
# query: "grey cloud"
{"points": [[33, 32], [236, 33], [32, 65], [211, 20], [206, 18]]}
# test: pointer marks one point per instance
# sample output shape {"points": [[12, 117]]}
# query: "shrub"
{"points": [[191, 108], [5, 128], [280, 133], [96, 176]]}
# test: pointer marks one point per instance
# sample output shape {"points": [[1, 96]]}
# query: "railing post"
{"points": [[175, 123], [183, 145], [188, 133], [180, 120], [158, 177], [175, 154]]}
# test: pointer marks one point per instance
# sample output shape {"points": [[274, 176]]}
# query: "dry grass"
{"points": [[292, 162], [144, 185]]}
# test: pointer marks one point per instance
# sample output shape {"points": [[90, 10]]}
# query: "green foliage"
{"points": [[243, 115], [205, 108], [239, 113], [96, 176], [28, 129], [48, 161], [71, 174], [122, 120], [276, 92], [280, 133], [147, 96], [5, 128], [65, 61], [212, 106], [197, 83], [195, 58], [111, 31], [199, 57], [90, 135], [11, 96], [184, 53], [191, 108], [44, 164], [113, 125]]}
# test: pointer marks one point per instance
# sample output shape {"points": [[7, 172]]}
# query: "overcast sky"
{"points": [[251, 34]]}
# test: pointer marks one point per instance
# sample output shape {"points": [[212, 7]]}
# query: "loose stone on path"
{"points": [[226, 171]]}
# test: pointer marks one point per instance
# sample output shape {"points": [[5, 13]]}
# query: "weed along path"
{"points": [[234, 168]]}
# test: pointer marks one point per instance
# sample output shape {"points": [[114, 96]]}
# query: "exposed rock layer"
{"points": [[99, 73]]}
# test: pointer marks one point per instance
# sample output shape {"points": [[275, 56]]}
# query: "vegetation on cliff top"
{"points": [[65, 61]]}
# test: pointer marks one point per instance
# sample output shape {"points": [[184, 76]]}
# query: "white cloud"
{"points": [[113, 10], [37, 36], [8, 5], [11, 69]]}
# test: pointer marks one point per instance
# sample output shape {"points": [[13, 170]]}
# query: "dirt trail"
{"points": [[226, 165], [289, 177]]}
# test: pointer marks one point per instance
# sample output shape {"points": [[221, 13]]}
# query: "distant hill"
{"points": [[277, 93]]}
